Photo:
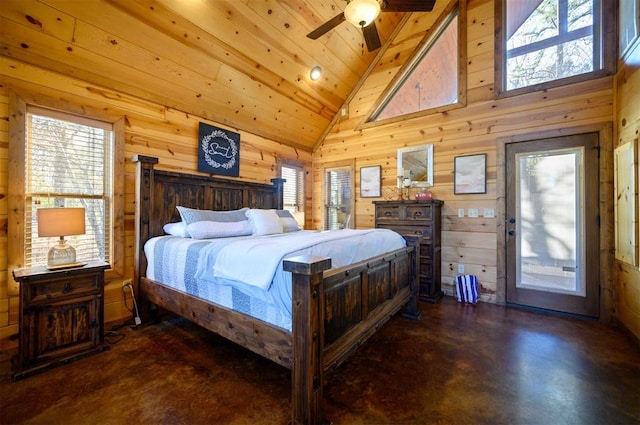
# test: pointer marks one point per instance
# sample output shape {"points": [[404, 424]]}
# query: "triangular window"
{"points": [[431, 81]]}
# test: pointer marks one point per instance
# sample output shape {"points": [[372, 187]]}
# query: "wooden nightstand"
{"points": [[61, 316]]}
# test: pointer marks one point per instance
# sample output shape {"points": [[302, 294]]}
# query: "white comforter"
{"points": [[256, 260]]}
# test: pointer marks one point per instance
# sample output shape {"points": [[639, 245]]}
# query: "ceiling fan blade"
{"points": [[371, 37], [327, 26], [408, 5]]}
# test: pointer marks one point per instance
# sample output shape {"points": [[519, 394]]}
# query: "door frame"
{"points": [[607, 264]]}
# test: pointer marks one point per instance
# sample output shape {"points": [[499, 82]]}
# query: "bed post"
{"points": [[144, 183], [307, 337], [278, 188]]}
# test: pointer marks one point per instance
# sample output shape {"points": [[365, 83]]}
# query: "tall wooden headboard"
{"points": [[158, 193]]}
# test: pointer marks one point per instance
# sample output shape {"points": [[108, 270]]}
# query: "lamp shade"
{"points": [[60, 221], [361, 12]]}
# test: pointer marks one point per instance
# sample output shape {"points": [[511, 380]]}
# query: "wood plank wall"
{"points": [[475, 128], [151, 129], [628, 126]]}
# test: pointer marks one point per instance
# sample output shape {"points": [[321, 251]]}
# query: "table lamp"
{"points": [[61, 222]]}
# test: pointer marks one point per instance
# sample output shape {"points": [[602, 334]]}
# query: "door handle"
{"points": [[511, 232]]}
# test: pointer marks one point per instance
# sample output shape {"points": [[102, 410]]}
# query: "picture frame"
{"points": [[629, 25], [218, 150], [370, 181], [470, 174]]}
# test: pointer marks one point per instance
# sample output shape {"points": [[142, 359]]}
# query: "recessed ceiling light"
{"points": [[316, 73]]}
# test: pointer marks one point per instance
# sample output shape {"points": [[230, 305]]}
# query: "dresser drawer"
{"points": [[418, 212], [423, 231], [48, 290], [391, 212]]}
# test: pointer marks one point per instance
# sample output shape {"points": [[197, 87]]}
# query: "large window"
{"points": [[294, 196], [65, 159], [68, 164], [433, 80], [338, 197], [545, 43]]}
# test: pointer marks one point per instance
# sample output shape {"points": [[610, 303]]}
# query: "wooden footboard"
{"points": [[334, 310]]}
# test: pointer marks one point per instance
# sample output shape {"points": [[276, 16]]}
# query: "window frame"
{"points": [[407, 68], [608, 52], [18, 104], [348, 165], [301, 168]]}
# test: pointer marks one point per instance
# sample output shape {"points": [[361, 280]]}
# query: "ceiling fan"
{"points": [[362, 14]]}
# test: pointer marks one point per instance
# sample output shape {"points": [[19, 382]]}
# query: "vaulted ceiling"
{"points": [[243, 63]]}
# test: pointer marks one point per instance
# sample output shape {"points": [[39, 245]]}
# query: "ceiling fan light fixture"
{"points": [[361, 12], [316, 73]]}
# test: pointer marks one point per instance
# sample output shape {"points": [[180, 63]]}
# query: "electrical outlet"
{"points": [[460, 268], [126, 284], [473, 212], [460, 212], [489, 213]]}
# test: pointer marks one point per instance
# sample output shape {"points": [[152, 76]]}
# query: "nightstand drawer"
{"points": [[46, 291]]}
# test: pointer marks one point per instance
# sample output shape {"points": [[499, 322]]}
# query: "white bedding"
{"points": [[188, 265], [254, 261]]}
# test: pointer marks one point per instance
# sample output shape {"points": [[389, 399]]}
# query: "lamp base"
{"points": [[61, 255]]}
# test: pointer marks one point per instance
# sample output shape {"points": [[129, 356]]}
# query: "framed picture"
{"points": [[218, 151], [629, 21], [370, 182], [470, 174]]}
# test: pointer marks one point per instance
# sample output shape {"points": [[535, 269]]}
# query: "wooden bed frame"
{"points": [[334, 311]]}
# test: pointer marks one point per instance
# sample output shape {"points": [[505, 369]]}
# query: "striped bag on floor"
{"points": [[467, 288]]}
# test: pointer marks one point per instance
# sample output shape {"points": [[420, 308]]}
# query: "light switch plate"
{"points": [[473, 212], [460, 268], [489, 213], [460, 212]]}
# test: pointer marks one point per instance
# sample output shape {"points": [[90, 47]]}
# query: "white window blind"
{"points": [[293, 188], [68, 163], [337, 199]]}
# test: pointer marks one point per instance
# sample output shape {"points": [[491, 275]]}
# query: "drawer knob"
{"points": [[387, 213], [417, 214], [66, 288]]}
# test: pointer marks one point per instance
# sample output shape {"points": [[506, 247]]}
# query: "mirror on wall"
{"points": [[415, 166]]}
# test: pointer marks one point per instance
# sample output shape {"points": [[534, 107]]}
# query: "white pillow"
{"points": [[190, 215], [176, 229], [264, 222], [214, 229], [289, 224]]}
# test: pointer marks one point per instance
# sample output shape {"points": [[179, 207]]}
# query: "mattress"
{"points": [[189, 265]]}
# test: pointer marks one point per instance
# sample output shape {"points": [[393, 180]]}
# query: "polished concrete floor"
{"points": [[461, 364]]}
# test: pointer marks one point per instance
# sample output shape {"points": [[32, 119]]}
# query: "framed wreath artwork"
{"points": [[218, 151]]}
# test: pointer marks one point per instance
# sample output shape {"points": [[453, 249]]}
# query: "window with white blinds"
{"points": [[68, 163], [338, 198], [294, 191]]}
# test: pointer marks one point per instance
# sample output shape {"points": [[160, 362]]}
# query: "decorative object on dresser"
{"points": [[61, 316], [422, 219]]}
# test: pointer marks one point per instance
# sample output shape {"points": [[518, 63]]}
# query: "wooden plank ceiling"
{"points": [[243, 63]]}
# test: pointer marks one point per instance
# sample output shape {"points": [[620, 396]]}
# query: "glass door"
{"points": [[552, 224]]}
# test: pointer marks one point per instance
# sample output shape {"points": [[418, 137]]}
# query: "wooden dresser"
{"points": [[417, 218]]}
